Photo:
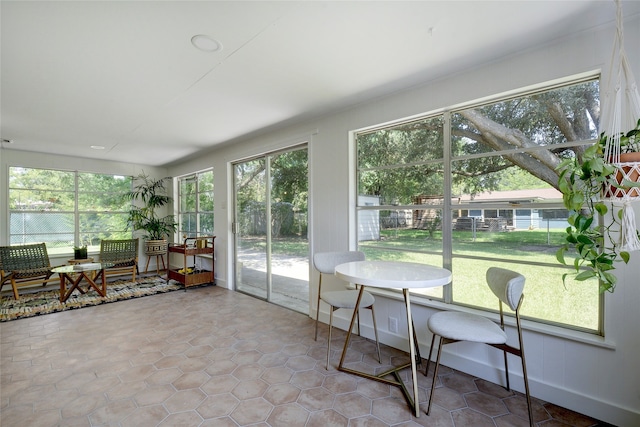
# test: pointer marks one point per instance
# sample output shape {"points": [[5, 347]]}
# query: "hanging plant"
{"points": [[605, 174], [627, 163], [582, 182]]}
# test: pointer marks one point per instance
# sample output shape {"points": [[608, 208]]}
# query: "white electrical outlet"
{"points": [[393, 324]]}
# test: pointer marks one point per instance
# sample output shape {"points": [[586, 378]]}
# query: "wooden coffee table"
{"points": [[74, 274]]}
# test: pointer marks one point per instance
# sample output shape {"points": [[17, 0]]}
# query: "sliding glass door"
{"points": [[270, 228]]}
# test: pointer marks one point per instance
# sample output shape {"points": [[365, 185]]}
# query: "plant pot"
{"points": [[80, 253], [155, 247], [629, 170]]}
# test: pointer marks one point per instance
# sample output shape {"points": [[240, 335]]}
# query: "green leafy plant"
{"points": [[153, 195], [581, 181], [629, 142], [80, 252]]}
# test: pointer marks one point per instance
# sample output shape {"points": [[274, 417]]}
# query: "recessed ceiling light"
{"points": [[98, 147], [205, 43]]}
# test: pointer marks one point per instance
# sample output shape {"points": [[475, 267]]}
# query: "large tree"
{"points": [[517, 128]]}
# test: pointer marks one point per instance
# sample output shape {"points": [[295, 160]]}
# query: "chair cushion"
{"points": [[466, 327], [347, 299]]}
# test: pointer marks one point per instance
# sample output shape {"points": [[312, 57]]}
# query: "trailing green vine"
{"points": [[581, 182]]}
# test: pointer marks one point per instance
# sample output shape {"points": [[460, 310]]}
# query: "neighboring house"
{"points": [[518, 218], [483, 218]]}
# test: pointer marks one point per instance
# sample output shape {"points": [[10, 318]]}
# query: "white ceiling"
{"points": [[124, 75]]}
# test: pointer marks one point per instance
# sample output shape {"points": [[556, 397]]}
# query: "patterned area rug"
{"points": [[45, 302]]}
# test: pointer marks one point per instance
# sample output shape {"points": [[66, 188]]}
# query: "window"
{"points": [[401, 168], [195, 213], [476, 187], [66, 208]]}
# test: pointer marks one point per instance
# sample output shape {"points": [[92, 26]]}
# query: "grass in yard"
{"points": [[546, 297]]}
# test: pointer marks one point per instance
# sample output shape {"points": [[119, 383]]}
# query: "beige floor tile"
{"points": [[217, 406], [185, 400], [316, 399], [154, 395], [191, 380], [222, 359], [288, 415], [251, 411], [327, 418]]}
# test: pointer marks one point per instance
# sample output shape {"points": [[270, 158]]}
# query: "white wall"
{"points": [[597, 377]]}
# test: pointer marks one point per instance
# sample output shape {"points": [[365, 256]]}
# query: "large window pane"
{"points": [[41, 200], [102, 209], [195, 217], [109, 184], [401, 229], [56, 229], [402, 185], [542, 119], [400, 193], [39, 179], [188, 194], [401, 163], [577, 305], [102, 202], [206, 223], [521, 221], [205, 182], [504, 209], [397, 235], [97, 226], [67, 208], [401, 144], [205, 201]]}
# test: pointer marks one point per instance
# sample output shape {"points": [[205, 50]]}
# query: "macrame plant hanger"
{"points": [[622, 89]]}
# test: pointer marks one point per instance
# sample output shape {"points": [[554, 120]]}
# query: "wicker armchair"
{"points": [[23, 265], [123, 254]]}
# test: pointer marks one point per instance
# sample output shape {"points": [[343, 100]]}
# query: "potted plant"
{"points": [[630, 142], [628, 173], [80, 252], [582, 181], [152, 194]]}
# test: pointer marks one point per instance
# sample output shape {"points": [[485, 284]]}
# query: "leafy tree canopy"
{"points": [[401, 162]]}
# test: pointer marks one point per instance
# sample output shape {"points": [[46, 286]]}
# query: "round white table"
{"points": [[394, 275]]}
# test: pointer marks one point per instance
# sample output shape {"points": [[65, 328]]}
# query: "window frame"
{"points": [[197, 211], [77, 213], [448, 255]]}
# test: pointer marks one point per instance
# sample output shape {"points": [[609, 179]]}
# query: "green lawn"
{"points": [[546, 297]]}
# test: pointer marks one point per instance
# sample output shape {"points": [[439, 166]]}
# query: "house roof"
{"points": [[515, 196]]}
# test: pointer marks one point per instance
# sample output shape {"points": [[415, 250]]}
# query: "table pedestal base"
{"points": [[412, 400]]}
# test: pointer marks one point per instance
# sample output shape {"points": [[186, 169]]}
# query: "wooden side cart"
{"points": [[189, 275]]}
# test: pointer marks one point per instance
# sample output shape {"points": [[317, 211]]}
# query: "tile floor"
{"points": [[213, 357]]}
